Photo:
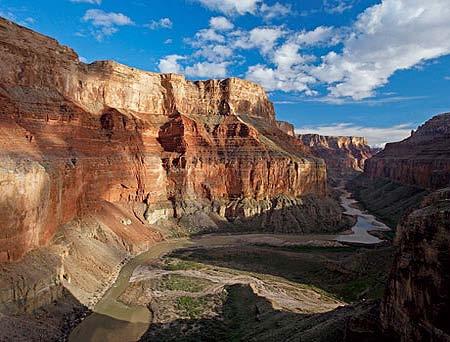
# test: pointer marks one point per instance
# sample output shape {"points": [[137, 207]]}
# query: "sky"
{"points": [[334, 67]]}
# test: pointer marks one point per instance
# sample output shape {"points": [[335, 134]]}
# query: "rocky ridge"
{"points": [[421, 160], [342, 154]]}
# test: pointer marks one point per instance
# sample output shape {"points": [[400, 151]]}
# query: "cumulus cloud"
{"points": [[231, 7], [220, 24], [377, 136], [92, 2], [207, 70], [215, 53], [262, 38], [393, 35], [277, 10], [320, 34], [289, 70], [169, 64], [163, 23], [105, 23], [276, 79]]}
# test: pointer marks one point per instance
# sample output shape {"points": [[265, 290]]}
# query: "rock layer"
{"points": [[342, 154], [417, 302], [75, 136], [421, 160], [286, 127]]}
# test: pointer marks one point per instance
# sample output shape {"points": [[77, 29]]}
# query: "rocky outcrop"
{"points": [[421, 160], [416, 306], [76, 136], [286, 127], [342, 154]]}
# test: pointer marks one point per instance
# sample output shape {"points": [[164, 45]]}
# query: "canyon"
{"points": [[76, 138], [101, 161], [147, 206], [343, 155]]}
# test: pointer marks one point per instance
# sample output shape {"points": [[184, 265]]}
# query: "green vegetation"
{"points": [[173, 264], [190, 307], [175, 282], [347, 273]]}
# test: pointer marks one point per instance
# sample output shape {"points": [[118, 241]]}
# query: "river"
{"points": [[113, 321]]}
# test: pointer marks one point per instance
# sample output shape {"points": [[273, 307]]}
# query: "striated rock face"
{"points": [[416, 306], [74, 136], [286, 127], [422, 160], [341, 154]]}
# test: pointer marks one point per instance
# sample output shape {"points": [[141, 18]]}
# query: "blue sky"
{"points": [[360, 67]]}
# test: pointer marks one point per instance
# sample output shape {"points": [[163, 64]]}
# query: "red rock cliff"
{"points": [[76, 135], [341, 154], [422, 160]]}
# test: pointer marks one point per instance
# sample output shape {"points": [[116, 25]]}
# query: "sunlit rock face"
{"points": [[75, 135], [286, 127], [421, 160], [416, 306], [342, 154]]}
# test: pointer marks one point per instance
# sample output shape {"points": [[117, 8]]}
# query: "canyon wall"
{"points": [[76, 137], [342, 154], [286, 127], [421, 160], [417, 299], [416, 306]]}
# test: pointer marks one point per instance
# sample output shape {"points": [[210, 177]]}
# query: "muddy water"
{"points": [[364, 224], [114, 321]]}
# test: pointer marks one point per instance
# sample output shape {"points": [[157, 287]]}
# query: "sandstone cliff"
{"points": [[421, 160], [341, 154], [77, 136], [416, 306], [286, 127]]}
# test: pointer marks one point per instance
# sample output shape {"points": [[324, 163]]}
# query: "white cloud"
{"points": [[168, 41], [393, 35], [207, 70], [207, 35], [220, 24], [377, 136], [276, 79], [106, 23], [262, 38], [371, 101], [277, 10], [163, 23], [338, 6], [215, 53], [170, 65], [319, 35], [92, 2], [447, 78], [230, 7]]}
